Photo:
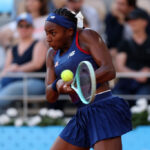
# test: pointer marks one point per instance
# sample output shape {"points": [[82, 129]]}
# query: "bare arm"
{"points": [[51, 95], [99, 52], [9, 58], [8, 62], [38, 59]]}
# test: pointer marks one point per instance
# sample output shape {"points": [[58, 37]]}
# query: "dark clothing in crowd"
{"points": [[138, 57], [20, 60], [114, 31]]}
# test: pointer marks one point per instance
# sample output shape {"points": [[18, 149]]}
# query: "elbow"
{"points": [[38, 66], [112, 73], [49, 99]]}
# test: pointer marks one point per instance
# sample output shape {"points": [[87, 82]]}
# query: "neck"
{"points": [[26, 40], [67, 45], [140, 36]]}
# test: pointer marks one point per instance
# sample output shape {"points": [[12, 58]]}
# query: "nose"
{"points": [[49, 38]]}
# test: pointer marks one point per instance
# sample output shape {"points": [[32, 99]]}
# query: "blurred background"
{"points": [[25, 115]]}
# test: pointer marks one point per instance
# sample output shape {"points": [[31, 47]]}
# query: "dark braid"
{"points": [[66, 13]]}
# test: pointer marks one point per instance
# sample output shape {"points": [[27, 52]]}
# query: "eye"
{"points": [[53, 33]]}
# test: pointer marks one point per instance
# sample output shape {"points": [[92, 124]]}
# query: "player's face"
{"points": [[122, 6], [57, 36], [138, 25], [25, 30]]}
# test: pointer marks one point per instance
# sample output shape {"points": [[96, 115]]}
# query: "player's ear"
{"points": [[70, 32]]}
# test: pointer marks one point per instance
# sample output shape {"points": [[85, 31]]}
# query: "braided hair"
{"points": [[67, 14]]}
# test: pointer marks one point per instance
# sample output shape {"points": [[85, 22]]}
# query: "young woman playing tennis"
{"points": [[101, 123]]}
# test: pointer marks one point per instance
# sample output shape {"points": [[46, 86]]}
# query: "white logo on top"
{"points": [[72, 54], [52, 17], [56, 64]]}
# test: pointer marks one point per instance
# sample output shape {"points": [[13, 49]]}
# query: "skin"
{"points": [[60, 38], [38, 57], [138, 27]]}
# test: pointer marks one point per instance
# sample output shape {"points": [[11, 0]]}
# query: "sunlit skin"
{"points": [[61, 38]]}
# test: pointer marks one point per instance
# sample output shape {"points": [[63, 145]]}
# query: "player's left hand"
{"points": [[64, 87]]}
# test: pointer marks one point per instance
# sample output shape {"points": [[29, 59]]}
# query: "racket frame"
{"points": [[76, 81]]}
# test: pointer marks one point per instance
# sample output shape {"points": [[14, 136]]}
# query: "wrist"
{"points": [[54, 85]]}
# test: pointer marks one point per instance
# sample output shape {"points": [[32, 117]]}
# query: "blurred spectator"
{"points": [[27, 56], [115, 23], [58, 4], [100, 7], [2, 57], [134, 56], [38, 9], [91, 15]]}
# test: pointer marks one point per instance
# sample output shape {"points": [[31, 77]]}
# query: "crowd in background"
{"points": [[123, 24]]}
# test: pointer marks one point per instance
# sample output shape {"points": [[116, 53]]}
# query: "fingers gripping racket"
{"points": [[84, 82]]}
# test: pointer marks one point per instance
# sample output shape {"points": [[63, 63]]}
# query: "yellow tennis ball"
{"points": [[67, 75]]}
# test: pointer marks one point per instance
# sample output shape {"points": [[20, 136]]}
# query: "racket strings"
{"points": [[85, 82]]}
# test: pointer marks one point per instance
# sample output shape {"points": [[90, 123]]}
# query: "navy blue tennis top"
{"points": [[71, 59]]}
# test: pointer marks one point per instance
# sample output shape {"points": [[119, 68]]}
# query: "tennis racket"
{"points": [[84, 82]]}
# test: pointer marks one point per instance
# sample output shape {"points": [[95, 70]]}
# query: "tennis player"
{"points": [[101, 123]]}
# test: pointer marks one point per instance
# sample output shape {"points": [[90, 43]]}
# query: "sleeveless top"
{"points": [[71, 59], [26, 56]]}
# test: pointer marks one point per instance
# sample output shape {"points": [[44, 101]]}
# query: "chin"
{"points": [[55, 48]]}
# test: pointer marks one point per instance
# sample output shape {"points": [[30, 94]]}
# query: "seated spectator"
{"points": [[38, 9], [116, 27], [27, 56], [134, 56], [2, 58]]}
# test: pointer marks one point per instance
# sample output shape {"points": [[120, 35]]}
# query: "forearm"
{"points": [[28, 67], [126, 69], [51, 95]]}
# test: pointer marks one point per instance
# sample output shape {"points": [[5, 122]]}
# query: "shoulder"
{"points": [[39, 45], [50, 56], [89, 36], [51, 52]]}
